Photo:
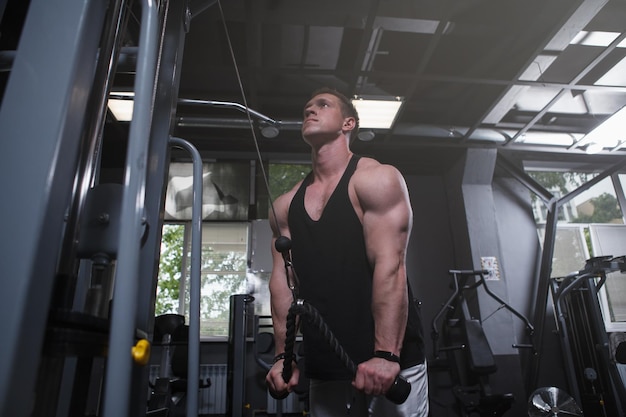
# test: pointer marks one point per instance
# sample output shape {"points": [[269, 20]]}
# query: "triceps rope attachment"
{"points": [[310, 313]]}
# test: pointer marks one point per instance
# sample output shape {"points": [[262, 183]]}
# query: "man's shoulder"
{"points": [[368, 167], [374, 182]]}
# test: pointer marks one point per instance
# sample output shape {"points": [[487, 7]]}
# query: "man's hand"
{"points": [[275, 382], [375, 376]]}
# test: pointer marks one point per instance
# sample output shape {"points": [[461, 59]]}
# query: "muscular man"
{"points": [[349, 222]]}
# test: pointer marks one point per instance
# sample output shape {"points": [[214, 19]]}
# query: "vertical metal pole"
{"points": [[619, 192], [123, 320], [174, 25], [236, 388], [91, 144], [3, 5], [601, 338], [41, 120], [193, 364], [560, 295], [543, 287]]}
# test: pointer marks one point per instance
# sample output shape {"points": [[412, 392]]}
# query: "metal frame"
{"points": [[44, 106], [236, 388], [193, 364], [543, 279], [53, 79], [582, 288]]}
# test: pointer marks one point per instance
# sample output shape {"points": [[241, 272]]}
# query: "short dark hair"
{"points": [[347, 108]]}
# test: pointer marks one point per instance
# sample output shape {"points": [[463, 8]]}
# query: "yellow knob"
{"points": [[141, 352]]}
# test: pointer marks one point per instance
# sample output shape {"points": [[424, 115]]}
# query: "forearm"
{"points": [[389, 308], [280, 303]]}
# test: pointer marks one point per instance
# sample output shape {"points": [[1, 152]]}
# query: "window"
{"points": [[282, 177], [570, 249], [223, 273], [236, 258], [590, 224], [610, 240], [225, 196]]}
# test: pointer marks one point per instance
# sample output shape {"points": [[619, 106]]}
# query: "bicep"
{"points": [[387, 217]]}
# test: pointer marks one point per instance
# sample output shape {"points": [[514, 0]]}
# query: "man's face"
{"points": [[323, 116]]}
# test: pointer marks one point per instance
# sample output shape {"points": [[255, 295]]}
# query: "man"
{"points": [[349, 222]]}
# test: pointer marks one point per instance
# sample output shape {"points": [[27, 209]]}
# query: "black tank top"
{"points": [[336, 278]]}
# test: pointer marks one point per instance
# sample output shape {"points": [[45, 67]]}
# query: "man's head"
{"points": [[347, 108]]}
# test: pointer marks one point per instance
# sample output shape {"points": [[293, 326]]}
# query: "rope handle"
{"points": [[400, 389]]}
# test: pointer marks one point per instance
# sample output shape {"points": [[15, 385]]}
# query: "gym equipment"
{"points": [[468, 353], [552, 402], [264, 345], [263, 355], [591, 372], [237, 332], [170, 389], [620, 353], [400, 389]]}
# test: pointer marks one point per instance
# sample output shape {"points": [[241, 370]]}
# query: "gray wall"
{"points": [[460, 215]]}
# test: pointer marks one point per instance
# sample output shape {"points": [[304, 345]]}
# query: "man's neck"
{"points": [[330, 160]]}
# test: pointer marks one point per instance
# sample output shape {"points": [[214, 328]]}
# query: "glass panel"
{"points": [[599, 216], [259, 283], [616, 296], [610, 240], [598, 204], [283, 177], [223, 273], [170, 262], [570, 249], [225, 195]]}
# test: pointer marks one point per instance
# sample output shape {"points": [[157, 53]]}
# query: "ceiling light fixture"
{"points": [[608, 134], [270, 131], [597, 38], [377, 112], [121, 105], [366, 135]]}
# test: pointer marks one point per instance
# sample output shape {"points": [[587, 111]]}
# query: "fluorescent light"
{"points": [[550, 138], [593, 148], [608, 134], [614, 76], [597, 38], [121, 105], [377, 113]]}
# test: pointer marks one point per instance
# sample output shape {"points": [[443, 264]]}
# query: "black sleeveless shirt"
{"points": [[335, 277]]}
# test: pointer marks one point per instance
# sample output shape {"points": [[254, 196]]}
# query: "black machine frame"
{"points": [[468, 354], [591, 370]]}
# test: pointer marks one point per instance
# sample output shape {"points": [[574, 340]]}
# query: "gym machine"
{"points": [[590, 366], [468, 355], [65, 339]]}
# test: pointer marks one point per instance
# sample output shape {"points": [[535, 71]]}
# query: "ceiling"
{"points": [[516, 75], [501, 72]]}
